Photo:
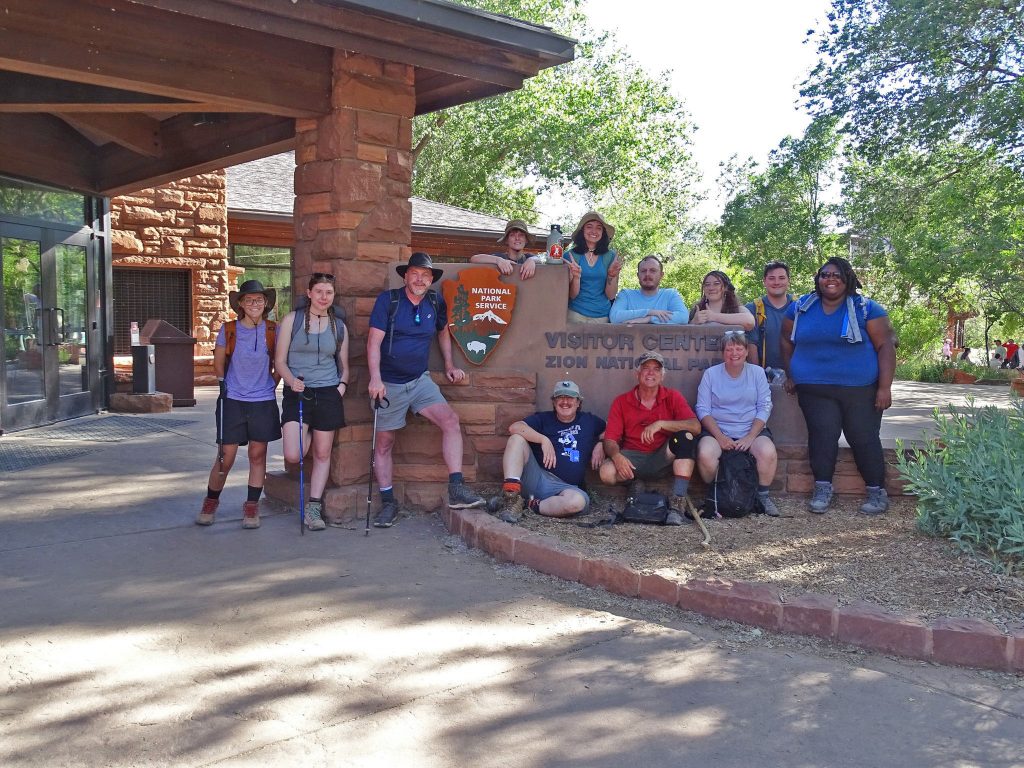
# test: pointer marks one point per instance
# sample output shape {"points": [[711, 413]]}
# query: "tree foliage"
{"points": [[599, 126], [919, 73]]}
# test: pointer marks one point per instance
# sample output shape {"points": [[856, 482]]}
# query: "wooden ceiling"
{"points": [[111, 96]]}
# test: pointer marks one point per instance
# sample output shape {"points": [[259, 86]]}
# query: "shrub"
{"points": [[968, 483]]}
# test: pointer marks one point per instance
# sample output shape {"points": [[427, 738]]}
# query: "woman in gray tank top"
{"points": [[312, 358]]}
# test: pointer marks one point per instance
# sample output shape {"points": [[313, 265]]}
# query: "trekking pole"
{"points": [[373, 458], [221, 402], [302, 487]]}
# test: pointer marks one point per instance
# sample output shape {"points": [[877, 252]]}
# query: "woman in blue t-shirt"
{"points": [[593, 270], [839, 352]]}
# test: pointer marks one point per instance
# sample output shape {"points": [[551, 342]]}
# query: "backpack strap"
{"points": [[761, 317], [231, 337], [395, 299]]}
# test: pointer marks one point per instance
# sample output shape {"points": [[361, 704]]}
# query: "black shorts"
{"points": [[322, 409], [244, 421]]}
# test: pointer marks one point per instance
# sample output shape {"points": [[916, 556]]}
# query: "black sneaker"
{"points": [[463, 497], [386, 517]]}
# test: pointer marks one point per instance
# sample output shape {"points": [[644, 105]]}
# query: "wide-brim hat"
{"points": [[594, 216], [252, 286], [515, 224], [420, 259]]}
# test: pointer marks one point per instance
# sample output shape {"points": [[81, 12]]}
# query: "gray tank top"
{"points": [[313, 357]]}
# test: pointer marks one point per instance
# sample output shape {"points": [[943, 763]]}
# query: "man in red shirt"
{"points": [[1010, 359], [650, 429]]}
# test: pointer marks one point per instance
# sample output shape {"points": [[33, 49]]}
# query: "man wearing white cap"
{"points": [[547, 455]]}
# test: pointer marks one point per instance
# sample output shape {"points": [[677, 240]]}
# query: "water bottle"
{"points": [[134, 332], [554, 245]]}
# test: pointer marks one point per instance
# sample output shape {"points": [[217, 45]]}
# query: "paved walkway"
{"points": [[130, 636]]}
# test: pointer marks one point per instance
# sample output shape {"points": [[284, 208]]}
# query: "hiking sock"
{"points": [[387, 494], [455, 478], [680, 486], [512, 485], [254, 492], [212, 494], [316, 500], [763, 489]]}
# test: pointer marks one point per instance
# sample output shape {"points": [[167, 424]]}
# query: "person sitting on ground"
{"points": [[515, 240], [650, 430], [769, 310], [650, 303], [546, 458], [718, 303], [247, 414], [593, 270], [965, 355], [734, 402]]}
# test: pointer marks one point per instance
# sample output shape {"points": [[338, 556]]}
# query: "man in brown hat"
{"points": [[403, 323], [515, 240], [247, 414], [651, 428]]}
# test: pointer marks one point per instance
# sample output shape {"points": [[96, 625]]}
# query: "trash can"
{"points": [[173, 360], [143, 375]]}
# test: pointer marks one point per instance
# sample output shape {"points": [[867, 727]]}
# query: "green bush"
{"points": [[968, 483]]}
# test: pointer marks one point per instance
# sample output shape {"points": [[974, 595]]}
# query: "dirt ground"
{"points": [[884, 560]]}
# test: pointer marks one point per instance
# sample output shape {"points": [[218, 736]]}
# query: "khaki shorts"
{"points": [[650, 465], [416, 395]]}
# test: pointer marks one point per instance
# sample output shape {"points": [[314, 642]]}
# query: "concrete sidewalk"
{"points": [[129, 636]]}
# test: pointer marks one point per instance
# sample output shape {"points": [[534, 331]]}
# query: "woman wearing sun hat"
{"points": [[247, 414], [593, 270]]}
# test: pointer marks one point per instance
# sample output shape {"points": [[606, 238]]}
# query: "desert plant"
{"points": [[967, 482]]}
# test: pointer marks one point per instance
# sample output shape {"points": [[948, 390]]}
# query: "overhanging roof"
{"points": [[110, 96]]}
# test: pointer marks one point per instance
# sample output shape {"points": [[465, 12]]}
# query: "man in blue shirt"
{"points": [[547, 456], [651, 303], [402, 325], [763, 341]]}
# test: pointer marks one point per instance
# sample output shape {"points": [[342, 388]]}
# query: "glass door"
{"points": [[50, 327]]}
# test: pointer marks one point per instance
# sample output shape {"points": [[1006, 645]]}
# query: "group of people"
{"points": [[833, 348]]}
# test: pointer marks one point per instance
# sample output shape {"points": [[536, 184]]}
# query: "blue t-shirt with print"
{"points": [[405, 358], [821, 355], [574, 442]]}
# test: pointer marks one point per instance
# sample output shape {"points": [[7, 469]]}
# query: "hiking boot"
{"points": [[251, 514], [385, 518], [769, 506], [205, 516], [314, 516], [877, 503], [463, 497], [821, 499], [673, 518], [677, 507], [511, 507]]}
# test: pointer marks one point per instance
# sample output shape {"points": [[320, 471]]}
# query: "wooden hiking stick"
{"points": [[695, 512]]}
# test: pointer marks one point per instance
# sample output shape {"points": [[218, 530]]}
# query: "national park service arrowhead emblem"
{"points": [[479, 310]]}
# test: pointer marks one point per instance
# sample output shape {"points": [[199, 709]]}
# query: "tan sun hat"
{"points": [[515, 224], [594, 216]]}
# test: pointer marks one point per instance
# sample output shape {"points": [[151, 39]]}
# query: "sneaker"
{"points": [[821, 499], [461, 496], [511, 507], [877, 503], [251, 514], [205, 516], [314, 518], [385, 518], [769, 506]]}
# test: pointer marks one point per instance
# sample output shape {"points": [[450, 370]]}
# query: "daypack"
{"points": [[647, 507], [231, 336], [734, 490], [396, 295]]}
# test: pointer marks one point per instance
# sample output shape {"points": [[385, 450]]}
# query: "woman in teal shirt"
{"points": [[593, 270]]}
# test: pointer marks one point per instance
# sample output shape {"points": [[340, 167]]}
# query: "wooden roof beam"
{"points": [[47, 150], [137, 133]]}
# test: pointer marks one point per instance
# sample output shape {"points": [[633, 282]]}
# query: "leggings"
{"points": [[829, 410]]}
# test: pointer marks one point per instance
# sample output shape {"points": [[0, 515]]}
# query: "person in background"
{"points": [[650, 303], [718, 303], [840, 357], [947, 349], [593, 270], [312, 358], [515, 240], [769, 310], [1010, 354], [243, 360]]}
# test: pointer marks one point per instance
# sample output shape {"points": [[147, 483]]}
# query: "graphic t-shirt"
{"points": [[574, 442]]}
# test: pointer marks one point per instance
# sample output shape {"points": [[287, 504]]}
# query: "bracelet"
{"points": [[345, 383]]}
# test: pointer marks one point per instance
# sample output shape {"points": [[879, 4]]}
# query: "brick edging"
{"points": [[962, 642]]}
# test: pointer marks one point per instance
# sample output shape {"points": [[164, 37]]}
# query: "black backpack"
{"points": [[734, 491]]}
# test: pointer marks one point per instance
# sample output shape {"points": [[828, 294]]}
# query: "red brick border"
{"points": [[961, 642]]}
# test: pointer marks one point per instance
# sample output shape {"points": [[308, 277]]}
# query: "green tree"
{"points": [[908, 73], [599, 127]]}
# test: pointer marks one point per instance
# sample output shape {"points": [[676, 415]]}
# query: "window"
{"points": [[272, 266], [144, 294]]}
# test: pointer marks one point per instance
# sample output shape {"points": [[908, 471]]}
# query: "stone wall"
{"points": [[182, 225]]}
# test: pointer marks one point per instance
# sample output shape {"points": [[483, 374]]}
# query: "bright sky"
{"points": [[737, 64]]}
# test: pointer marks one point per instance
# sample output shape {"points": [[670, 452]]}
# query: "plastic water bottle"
{"points": [[134, 329], [554, 246]]}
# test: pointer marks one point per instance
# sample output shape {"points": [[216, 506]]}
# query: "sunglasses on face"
{"points": [[323, 277], [829, 276]]}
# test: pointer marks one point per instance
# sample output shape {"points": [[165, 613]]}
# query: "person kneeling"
{"points": [[545, 458], [650, 429], [733, 403]]}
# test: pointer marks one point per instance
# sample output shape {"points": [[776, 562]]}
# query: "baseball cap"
{"points": [[650, 356], [567, 389]]}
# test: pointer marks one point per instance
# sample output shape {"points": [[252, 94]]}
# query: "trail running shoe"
{"points": [[386, 516], [461, 496], [769, 506], [821, 499], [877, 503]]}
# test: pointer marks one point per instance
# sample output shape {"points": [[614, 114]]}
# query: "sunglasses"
{"points": [[323, 277], [829, 276], [416, 318], [733, 335]]}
